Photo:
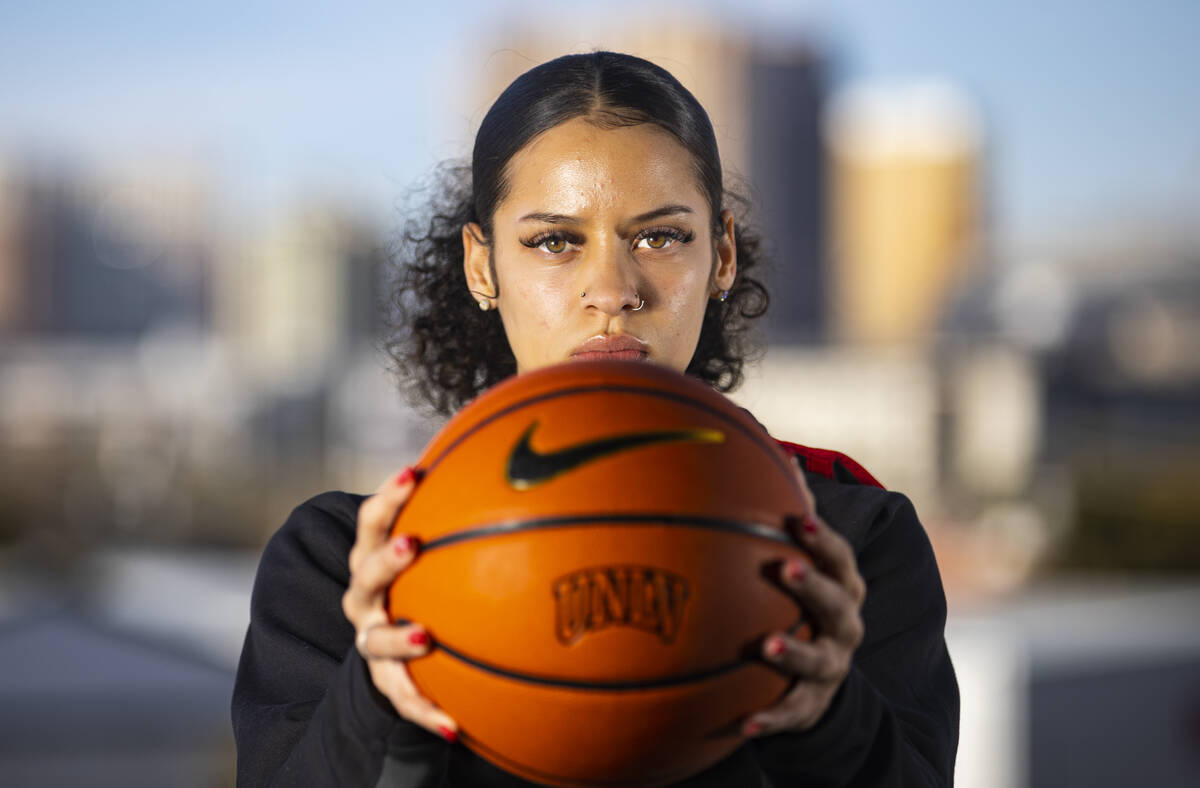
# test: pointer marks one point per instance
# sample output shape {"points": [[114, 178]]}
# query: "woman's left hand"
{"points": [[831, 593]]}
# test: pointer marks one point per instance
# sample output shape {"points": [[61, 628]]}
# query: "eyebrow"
{"points": [[562, 218]]}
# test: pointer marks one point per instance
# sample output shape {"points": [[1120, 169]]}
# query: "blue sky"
{"points": [[1092, 108]]}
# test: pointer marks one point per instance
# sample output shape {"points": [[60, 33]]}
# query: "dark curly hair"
{"points": [[444, 349]]}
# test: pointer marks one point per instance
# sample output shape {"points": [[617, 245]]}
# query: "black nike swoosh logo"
{"points": [[528, 467]]}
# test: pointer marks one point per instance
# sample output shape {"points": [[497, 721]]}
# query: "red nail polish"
{"points": [[775, 647], [404, 545], [406, 476], [448, 734], [810, 524], [419, 638], [752, 728], [795, 570]]}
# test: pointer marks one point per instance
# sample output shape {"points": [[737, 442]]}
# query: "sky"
{"points": [[1092, 109]]}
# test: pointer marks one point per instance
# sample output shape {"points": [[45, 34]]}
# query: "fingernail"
{"points": [[404, 545], [774, 647], [419, 638], [809, 524], [449, 734], [795, 570], [752, 728], [408, 476]]}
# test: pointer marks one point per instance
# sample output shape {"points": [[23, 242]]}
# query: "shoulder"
{"points": [[852, 500], [317, 535], [892, 548], [830, 464], [303, 574]]}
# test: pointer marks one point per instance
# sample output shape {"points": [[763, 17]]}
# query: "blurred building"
{"points": [[787, 88], [12, 272], [107, 256], [158, 373], [301, 294], [880, 406], [303, 306], [1107, 348], [905, 172]]}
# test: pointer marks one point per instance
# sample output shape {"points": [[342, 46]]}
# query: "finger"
{"points": [[831, 552], [414, 706], [379, 511], [374, 574], [406, 478], [809, 499], [821, 660], [796, 711], [387, 641], [832, 607]]}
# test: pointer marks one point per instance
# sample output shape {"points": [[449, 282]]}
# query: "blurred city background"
{"points": [[985, 219]]}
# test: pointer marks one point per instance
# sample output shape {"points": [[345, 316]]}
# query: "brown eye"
{"points": [[555, 245], [660, 239]]}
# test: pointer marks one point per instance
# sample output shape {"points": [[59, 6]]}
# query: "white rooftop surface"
{"points": [[196, 600], [1090, 623]]}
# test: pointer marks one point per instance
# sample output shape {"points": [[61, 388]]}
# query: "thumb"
{"points": [[810, 501]]}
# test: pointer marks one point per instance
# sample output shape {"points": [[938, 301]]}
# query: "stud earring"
{"points": [[724, 294], [484, 305]]}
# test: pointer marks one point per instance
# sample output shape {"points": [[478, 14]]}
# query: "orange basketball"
{"points": [[595, 543]]}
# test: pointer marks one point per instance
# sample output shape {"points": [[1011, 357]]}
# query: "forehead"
{"points": [[579, 168]]}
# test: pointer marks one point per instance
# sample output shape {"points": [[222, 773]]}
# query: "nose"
{"points": [[609, 282]]}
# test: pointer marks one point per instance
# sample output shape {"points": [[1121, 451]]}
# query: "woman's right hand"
{"points": [[375, 561]]}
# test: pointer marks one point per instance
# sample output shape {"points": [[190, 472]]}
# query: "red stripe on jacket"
{"points": [[825, 462]]}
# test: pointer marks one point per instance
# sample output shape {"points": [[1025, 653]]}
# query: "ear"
{"points": [[475, 263], [726, 263]]}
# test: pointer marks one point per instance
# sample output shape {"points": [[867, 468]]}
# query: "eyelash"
{"points": [[551, 235], [673, 233]]}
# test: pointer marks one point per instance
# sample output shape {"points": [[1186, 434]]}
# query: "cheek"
{"points": [[533, 305], [686, 297], [538, 307], [680, 306], [550, 300]]}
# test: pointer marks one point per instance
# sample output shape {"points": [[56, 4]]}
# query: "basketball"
{"points": [[597, 543]]}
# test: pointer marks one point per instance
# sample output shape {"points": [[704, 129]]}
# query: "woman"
{"points": [[594, 224]]}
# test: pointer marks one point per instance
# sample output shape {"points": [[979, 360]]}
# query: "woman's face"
{"points": [[595, 221]]}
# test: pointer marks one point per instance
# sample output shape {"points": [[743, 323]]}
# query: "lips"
{"points": [[612, 346]]}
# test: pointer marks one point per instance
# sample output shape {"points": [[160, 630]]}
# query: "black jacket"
{"points": [[306, 713]]}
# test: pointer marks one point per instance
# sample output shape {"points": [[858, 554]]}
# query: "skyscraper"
{"points": [[905, 162], [786, 89]]}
